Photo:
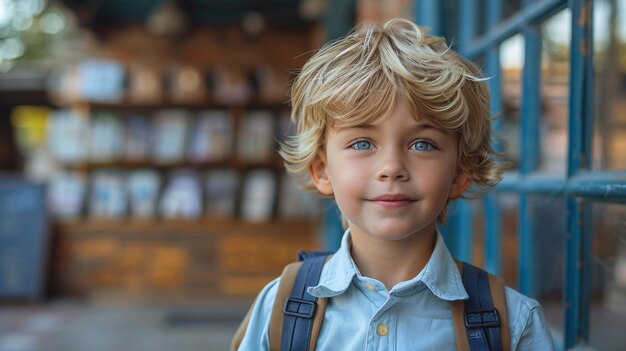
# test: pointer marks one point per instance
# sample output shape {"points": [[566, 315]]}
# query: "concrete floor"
{"points": [[79, 326], [116, 325]]}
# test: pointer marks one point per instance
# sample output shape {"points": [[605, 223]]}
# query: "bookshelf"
{"points": [[166, 190], [93, 243]]}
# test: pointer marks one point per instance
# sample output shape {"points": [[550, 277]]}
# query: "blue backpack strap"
{"points": [[481, 317], [299, 308], [303, 255]]}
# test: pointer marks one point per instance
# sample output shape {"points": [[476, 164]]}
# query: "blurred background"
{"points": [[142, 201]]}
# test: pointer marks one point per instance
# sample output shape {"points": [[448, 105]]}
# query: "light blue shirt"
{"points": [[414, 315]]}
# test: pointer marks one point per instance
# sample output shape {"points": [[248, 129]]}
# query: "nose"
{"points": [[392, 167]]}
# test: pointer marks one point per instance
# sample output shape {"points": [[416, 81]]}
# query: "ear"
{"points": [[459, 184], [319, 174]]}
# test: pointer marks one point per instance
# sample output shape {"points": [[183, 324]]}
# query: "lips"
{"points": [[392, 201], [392, 197]]}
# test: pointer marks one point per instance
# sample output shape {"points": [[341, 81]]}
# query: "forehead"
{"points": [[401, 106]]}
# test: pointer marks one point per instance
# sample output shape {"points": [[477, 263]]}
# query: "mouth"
{"points": [[392, 201]]}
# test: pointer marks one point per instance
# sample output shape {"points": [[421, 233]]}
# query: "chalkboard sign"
{"points": [[23, 239]]}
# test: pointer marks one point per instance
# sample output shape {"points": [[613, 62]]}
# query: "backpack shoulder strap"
{"points": [[285, 284], [497, 288], [287, 279], [241, 330], [476, 325], [285, 287], [293, 304]]}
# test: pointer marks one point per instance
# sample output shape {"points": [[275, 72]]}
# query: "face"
{"points": [[391, 179]]}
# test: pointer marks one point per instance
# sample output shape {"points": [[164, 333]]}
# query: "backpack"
{"points": [[480, 322]]}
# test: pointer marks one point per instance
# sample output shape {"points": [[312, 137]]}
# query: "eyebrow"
{"points": [[419, 127]]}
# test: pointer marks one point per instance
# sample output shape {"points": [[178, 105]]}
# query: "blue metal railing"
{"points": [[579, 185], [535, 12]]}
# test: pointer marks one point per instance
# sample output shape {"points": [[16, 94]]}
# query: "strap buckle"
{"points": [[299, 308], [483, 318]]}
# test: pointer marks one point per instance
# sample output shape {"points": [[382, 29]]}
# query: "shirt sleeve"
{"points": [[256, 335], [536, 335], [529, 330]]}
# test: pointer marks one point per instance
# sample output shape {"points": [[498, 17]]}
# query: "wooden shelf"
{"points": [[201, 226], [166, 104], [274, 163]]}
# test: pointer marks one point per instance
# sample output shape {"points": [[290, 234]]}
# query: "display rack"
{"points": [[205, 255]]}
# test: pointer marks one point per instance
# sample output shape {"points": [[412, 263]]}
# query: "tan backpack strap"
{"points": [[241, 331], [317, 321], [287, 279], [460, 332], [496, 286], [458, 309]]}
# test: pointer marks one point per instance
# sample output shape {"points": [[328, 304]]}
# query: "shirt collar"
{"points": [[440, 274]]}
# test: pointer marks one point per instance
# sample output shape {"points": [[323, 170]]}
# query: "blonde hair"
{"points": [[359, 79]]}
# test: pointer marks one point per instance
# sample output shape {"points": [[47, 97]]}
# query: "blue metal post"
{"points": [[464, 228], [464, 231], [493, 246], [529, 156], [531, 101], [428, 14], [587, 244], [467, 29], [578, 242], [332, 228], [448, 229], [492, 209]]}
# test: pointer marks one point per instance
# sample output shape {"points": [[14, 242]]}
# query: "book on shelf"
{"points": [[138, 142], [108, 194], [182, 196], [143, 190], [259, 194], [211, 138], [186, 84], [295, 202], [221, 192], [106, 137], [101, 80], [68, 135], [256, 137], [284, 127], [231, 86], [170, 135], [271, 83], [66, 194], [145, 84]]}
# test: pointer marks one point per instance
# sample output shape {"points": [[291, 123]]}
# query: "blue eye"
{"points": [[361, 145], [422, 145]]}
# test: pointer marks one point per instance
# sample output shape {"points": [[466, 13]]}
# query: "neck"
{"points": [[392, 261]]}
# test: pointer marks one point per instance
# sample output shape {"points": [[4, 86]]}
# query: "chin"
{"points": [[393, 231], [394, 234]]}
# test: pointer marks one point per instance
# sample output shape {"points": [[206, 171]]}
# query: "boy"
{"points": [[393, 125]]}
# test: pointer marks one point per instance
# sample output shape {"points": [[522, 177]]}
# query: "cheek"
{"points": [[348, 182], [346, 177], [438, 180]]}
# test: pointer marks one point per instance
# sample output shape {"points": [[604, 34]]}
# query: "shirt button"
{"points": [[382, 329], [370, 287]]}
